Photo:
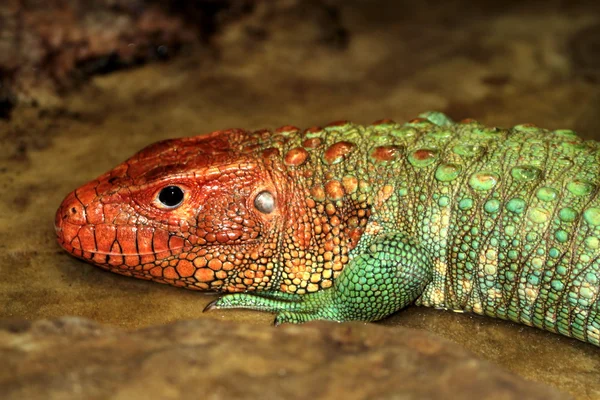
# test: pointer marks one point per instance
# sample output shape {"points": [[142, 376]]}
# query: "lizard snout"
{"points": [[71, 211], [70, 217]]}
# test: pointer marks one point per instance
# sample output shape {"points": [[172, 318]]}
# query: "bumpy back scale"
{"points": [[501, 222]]}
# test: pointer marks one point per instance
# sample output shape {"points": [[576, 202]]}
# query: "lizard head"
{"points": [[190, 212], [231, 211]]}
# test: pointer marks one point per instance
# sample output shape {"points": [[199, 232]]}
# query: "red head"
{"points": [[189, 212], [216, 212]]}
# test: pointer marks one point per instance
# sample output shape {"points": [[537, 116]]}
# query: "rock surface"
{"points": [[54, 46], [503, 65], [49, 46], [73, 358]]}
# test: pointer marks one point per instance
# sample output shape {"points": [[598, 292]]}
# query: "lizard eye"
{"points": [[264, 202], [170, 196]]}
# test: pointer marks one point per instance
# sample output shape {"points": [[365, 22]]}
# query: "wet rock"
{"points": [[50, 46], [77, 358], [47, 47]]}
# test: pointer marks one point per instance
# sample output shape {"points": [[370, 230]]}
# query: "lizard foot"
{"points": [[277, 302], [290, 308], [391, 273]]}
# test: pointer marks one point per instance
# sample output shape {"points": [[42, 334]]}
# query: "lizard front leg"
{"points": [[384, 276]]}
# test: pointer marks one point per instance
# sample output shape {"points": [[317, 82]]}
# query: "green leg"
{"points": [[437, 118], [386, 275]]}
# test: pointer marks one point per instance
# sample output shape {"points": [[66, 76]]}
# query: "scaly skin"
{"points": [[355, 222]]}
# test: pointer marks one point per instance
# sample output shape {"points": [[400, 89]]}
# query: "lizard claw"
{"points": [[212, 305]]}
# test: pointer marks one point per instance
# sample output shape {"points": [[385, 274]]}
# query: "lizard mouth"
{"points": [[110, 244], [116, 245]]}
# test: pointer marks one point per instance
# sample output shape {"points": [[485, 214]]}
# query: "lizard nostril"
{"points": [[71, 211], [73, 214]]}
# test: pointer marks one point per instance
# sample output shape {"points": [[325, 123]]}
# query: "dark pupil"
{"points": [[171, 196]]}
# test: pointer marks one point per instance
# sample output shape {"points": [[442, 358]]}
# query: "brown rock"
{"points": [[76, 358], [49, 46]]}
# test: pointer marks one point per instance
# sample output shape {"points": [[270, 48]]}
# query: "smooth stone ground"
{"points": [[512, 65]]}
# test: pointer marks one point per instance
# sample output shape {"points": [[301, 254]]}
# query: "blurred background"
{"points": [[390, 57], [85, 84]]}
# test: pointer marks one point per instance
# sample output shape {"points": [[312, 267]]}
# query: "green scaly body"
{"points": [[500, 222]]}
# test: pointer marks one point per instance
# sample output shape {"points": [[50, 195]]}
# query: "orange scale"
{"points": [[385, 153], [312, 143], [170, 273], [337, 152], [334, 190], [185, 268], [215, 264], [204, 275], [296, 157]]}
